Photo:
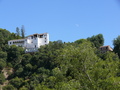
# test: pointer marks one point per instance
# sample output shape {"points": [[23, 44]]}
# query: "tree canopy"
{"points": [[97, 40], [116, 43], [59, 66]]}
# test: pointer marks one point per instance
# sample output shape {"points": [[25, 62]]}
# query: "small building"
{"points": [[32, 42], [104, 49]]}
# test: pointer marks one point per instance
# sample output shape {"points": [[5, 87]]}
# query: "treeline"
{"points": [[59, 65]]}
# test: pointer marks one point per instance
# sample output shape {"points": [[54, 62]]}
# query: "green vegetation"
{"points": [[59, 66], [116, 43]]}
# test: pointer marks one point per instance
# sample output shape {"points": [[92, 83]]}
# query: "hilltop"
{"points": [[77, 65]]}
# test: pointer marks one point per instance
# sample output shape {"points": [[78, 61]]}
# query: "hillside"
{"points": [[59, 65]]}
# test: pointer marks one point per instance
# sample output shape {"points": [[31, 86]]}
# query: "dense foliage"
{"points": [[97, 40], [116, 43], [59, 66]]}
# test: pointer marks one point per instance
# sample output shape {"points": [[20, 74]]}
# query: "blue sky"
{"points": [[66, 20]]}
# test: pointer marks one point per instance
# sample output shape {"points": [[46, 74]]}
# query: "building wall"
{"points": [[44, 40], [16, 42], [104, 49], [32, 42]]}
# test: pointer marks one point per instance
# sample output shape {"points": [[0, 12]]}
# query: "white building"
{"points": [[32, 42]]}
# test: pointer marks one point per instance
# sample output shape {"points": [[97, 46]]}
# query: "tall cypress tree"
{"points": [[23, 31], [17, 31]]}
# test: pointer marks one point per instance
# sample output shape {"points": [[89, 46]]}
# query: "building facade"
{"points": [[32, 42], [104, 49]]}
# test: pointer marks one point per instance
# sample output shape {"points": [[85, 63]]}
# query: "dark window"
{"points": [[10, 42], [35, 46], [31, 37], [45, 36], [35, 35], [41, 36]]}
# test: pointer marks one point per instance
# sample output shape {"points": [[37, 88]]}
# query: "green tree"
{"points": [[23, 88], [2, 78], [51, 81], [2, 41], [23, 31], [28, 66], [19, 71], [97, 40], [8, 87], [13, 36], [2, 64], [80, 41], [4, 36], [105, 72], [75, 62], [3, 55], [70, 85], [15, 55], [43, 70], [18, 32], [58, 74], [42, 87], [116, 43], [16, 82], [47, 54], [5, 48], [26, 59]]}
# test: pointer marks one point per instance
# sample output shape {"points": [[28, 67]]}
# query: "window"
{"points": [[10, 42], [45, 41], [35, 36], [41, 36], [31, 37], [45, 35], [106, 47], [35, 46]]}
